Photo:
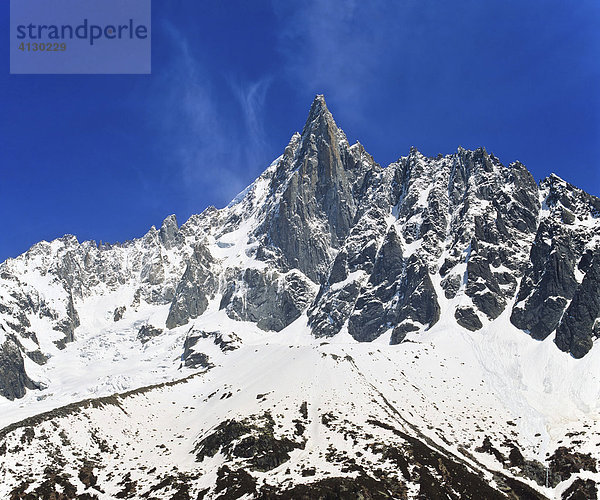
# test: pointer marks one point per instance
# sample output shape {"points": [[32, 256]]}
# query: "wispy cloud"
{"points": [[251, 97], [212, 149], [214, 123]]}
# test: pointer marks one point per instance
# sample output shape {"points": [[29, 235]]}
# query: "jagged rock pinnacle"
{"points": [[320, 119]]}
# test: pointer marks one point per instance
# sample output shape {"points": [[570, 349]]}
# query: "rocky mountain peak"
{"points": [[325, 231], [568, 200], [320, 120], [168, 231]]}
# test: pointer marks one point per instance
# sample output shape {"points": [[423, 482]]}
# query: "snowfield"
{"points": [[449, 385]]}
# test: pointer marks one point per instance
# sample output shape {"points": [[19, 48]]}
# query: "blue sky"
{"points": [[104, 157]]}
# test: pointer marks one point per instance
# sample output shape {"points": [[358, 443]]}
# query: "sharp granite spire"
{"points": [[320, 120]]}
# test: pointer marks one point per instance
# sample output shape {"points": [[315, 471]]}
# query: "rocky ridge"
{"points": [[326, 245], [360, 248]]}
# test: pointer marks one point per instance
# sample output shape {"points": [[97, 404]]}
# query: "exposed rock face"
{"points": [[581, 489], [118, 313], [147, 332], [194, 289], [169, 233], [404, 299], [68, 324], [323, 182], [269, 299], [252, 439], [564, 463], [13, 379], [493, 218], [195, 359], [467, 318], [549, 285], [191, 358], [354, 263], [551, 297], [580, 325], [463, 217]]}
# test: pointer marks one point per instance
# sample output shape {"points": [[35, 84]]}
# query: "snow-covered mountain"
{"points": [[340, 330]]}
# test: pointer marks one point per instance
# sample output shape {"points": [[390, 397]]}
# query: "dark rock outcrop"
{"points": [[549, 283], [68, 324], [192, 358], [194, 289], [13, 379], [119, 313], [467, 318], [581, 489], [169, 232], [251, 439], [147, 333], [268, 298], [581, 322], [565, 462]]}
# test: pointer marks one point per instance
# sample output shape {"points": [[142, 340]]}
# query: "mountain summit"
{"points": [[423, 330]]}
